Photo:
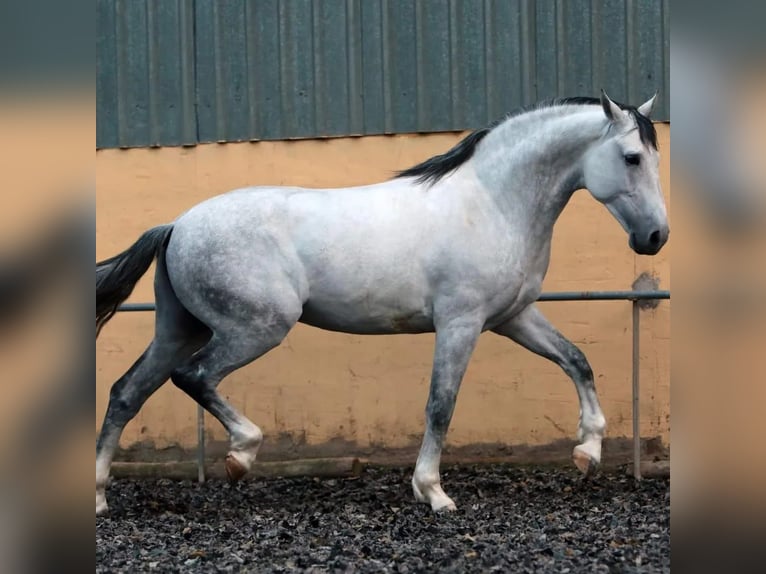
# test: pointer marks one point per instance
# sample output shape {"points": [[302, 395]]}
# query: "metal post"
{"points": [[636, 419], [200, 444]]}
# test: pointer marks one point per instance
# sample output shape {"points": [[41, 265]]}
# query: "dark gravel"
{"points": [[509, 519]]}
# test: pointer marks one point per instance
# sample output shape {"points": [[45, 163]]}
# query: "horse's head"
{"points": [[622, 171]]}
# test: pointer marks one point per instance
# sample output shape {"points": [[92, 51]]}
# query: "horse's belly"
{"points": [[367, 315], [374, 285]]}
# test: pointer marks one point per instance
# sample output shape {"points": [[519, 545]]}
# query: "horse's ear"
{"points": [[646, 108], [611, 110]]}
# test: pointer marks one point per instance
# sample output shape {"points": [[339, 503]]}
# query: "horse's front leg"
{"points": [[533, 331], [455, 342]]}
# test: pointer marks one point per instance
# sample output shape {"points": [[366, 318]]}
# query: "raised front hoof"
{"points": [[584, 462], [235, 470]]}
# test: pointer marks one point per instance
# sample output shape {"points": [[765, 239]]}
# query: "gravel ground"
{"points": [[509, 519]]}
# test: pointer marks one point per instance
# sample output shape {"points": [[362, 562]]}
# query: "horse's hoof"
{"points": [[584, 462], [101, 506], [438, 501], [444, 507], [235, 470]]}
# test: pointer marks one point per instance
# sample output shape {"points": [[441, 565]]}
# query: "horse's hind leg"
{"points": [[126, 398], [241, 343], [177, 336], [534, 332]]}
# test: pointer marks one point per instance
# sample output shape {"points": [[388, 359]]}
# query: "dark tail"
{"points": [[117, 276]]}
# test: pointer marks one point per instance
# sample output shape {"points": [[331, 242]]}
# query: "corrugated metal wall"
{"points": [[179, 72]]}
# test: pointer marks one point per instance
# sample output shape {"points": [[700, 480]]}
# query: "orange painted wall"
{"points": [[320, 392]]}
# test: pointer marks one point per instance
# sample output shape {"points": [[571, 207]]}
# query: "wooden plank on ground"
{"points": [[320, 467]]}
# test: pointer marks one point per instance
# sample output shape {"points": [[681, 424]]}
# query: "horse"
{"points": [[456, 245]]}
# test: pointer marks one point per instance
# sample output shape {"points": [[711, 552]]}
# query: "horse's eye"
{"points": [[632, 159]]}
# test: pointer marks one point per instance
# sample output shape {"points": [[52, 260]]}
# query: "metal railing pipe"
{"points": [[551, 296], [626, 295]]}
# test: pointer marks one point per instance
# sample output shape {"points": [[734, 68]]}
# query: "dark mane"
{"points": [[436, 167]]}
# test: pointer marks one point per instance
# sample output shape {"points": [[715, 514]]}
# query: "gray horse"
{"points": [[455, 246]]}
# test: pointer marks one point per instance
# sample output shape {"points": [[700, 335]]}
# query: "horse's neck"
{"points": [[531, 164]]}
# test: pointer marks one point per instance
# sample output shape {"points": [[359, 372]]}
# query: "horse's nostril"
{"points": [[655, 237]]}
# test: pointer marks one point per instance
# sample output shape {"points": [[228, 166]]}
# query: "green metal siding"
{"points": [[182, 72]]}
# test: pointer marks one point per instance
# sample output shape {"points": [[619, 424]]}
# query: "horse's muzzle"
{"points": [[649, 243]]}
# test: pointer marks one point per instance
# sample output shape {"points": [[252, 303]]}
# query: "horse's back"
{"points": [[358, 257]]}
